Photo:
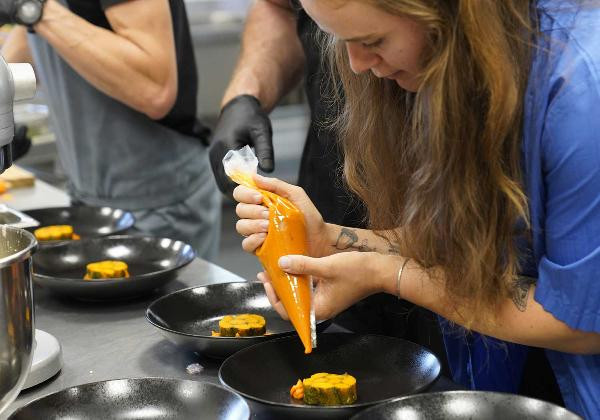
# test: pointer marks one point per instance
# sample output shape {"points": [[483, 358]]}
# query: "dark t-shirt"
{"points": [[182, 116]]}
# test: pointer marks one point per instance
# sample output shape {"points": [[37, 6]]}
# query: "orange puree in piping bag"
{"points": [[286, 235]]}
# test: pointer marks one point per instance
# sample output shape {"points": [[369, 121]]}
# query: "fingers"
{"points": [[247, 227], [300, 264], [252, 242], [280, 187], [263, 146], [243, 194], [251, 211]]}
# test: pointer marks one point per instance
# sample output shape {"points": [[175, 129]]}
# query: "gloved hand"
{"points": [[21, 12], [242, 122]]}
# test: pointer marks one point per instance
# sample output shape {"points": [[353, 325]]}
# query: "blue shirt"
{"points": [[561, 165]]}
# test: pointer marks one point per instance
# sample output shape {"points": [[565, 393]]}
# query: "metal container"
{"points": [[16, 311]]}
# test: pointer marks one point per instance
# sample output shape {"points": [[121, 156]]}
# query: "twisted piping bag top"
{"points": [[286, 236]]}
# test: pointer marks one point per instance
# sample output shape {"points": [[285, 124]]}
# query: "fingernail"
{"points": [[257, 198], [264, 224], [284, 262], [265, 214]]}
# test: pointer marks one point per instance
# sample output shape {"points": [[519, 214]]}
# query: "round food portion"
{"points": [[243, 325], [329, 389], [109, 269], [55, 233]]}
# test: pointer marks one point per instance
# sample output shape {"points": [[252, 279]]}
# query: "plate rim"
{"points": [[135, 378], [461, 391], [139, 277], [252, 338], [330, 407]]}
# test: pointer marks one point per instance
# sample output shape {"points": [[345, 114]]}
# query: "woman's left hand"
{"points": [[341, 279]]}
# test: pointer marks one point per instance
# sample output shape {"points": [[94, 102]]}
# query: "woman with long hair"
{"points": [[471, 130]]}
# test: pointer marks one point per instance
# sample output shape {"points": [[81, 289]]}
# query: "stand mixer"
{"points": [[17, 343]]}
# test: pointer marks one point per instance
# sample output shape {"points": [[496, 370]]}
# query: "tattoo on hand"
{"points": [[520, 291]]}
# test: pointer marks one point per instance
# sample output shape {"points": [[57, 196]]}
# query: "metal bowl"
{"points": [[464, 405], [152, 262], [187, 317], [144, 398], [16, 311], [384, 367]]}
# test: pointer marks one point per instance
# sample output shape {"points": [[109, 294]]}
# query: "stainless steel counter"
{"points": [[103, 341]]}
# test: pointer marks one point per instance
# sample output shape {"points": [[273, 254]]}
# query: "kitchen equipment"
{"points": [[143, 398], [17, 82], [152, 262], [187, 317], [46, 361], [15, 218], [16, 310], [384, 367], [463, 405], [87, 221]]}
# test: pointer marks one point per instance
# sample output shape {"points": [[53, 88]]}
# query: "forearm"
{"points": [[16, 48], [343, 239], [111, 62], [520, 319], [271, 60]]}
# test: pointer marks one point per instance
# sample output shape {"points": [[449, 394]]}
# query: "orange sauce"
{"points": [[286, 236]]}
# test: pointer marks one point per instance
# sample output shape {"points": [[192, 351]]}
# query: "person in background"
{"points": [[271, 63], [470, 130], [120, 80]]}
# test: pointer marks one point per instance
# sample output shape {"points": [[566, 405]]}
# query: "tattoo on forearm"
{"points": [[394, 247], [348, 238], [520, 292]]}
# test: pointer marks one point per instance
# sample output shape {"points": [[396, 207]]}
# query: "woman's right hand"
{"points": [[254, 216]]}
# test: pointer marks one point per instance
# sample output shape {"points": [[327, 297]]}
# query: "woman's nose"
{"points": [[361, 59]]}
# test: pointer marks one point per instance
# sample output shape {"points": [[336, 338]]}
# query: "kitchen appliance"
{"points": [[385, 368], [16, 310], [187, 317], [17, 83]]}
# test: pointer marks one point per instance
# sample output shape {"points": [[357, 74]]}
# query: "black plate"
{"points": [[152, 263], [188, 316], [463, 405], [87, 222], [384, 367], [144, 398]]}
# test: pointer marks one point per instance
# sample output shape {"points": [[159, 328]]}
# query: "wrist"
{"points": [[390, 274], [52, 12], [242, 85]]}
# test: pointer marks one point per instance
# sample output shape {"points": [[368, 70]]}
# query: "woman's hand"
{"points": [[254, 216], [340, 279]]}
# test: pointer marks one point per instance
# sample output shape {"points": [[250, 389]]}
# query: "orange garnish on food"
{"points": [[75, 237], [297, 391], [286, 236]]}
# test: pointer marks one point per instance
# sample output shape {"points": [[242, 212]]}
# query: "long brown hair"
{"points": [[442, 166]]}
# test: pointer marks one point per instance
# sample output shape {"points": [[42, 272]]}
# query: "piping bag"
{"points": [[286, 235]]}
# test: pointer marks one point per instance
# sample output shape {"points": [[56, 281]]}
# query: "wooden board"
{"points": [[18, 177]]}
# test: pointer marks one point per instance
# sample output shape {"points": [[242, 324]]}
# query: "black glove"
{"points": [[242, 122], [22, 12]]}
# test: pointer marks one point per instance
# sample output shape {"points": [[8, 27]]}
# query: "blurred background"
{"points": [[216, 27]]}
